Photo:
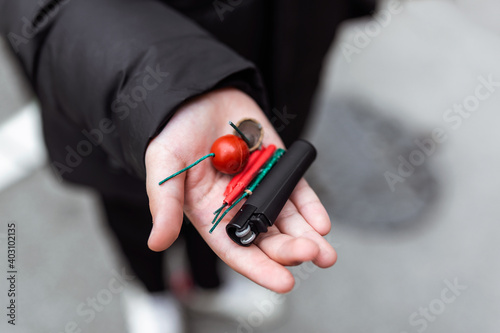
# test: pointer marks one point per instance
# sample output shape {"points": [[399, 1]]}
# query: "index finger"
{"points": [[311, 208]]}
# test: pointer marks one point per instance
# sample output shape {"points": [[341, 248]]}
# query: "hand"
{"points": [[296, 236]]}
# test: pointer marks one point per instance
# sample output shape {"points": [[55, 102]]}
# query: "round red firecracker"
{"points": [[231, 154]]}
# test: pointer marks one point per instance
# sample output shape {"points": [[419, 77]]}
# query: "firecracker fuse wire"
{"points": [[263, 172]]}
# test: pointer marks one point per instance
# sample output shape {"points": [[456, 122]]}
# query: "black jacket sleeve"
{"points": [[124, 64]]}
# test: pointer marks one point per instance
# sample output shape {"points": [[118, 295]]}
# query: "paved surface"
{"points": [[438, 273], [15, 90]]}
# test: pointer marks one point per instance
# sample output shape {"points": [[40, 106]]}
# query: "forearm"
{"points": [[132, 62]]}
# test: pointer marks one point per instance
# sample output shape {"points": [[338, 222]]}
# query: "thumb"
{"points": [[166, 201]]}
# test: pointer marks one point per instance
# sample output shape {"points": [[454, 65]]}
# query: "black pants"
{"points": [[131, 222]]}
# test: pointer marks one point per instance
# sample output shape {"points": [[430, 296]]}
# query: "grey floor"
{"points": [[426, 59]]}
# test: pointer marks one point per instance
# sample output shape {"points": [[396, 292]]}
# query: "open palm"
{"points": [[296, 236]]}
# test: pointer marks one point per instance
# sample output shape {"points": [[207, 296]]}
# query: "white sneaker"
{"points": [[151, 312], [237, 299]]}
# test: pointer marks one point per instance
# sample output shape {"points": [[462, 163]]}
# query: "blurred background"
{"points": [[407, 130]]}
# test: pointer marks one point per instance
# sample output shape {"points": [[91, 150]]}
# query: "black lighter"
{"points": [[263, 207]]}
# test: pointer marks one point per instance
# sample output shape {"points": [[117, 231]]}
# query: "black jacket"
{"points": [[110, 73]]}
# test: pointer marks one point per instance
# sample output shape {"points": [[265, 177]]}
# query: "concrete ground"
{"points": [[434, 270]]}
